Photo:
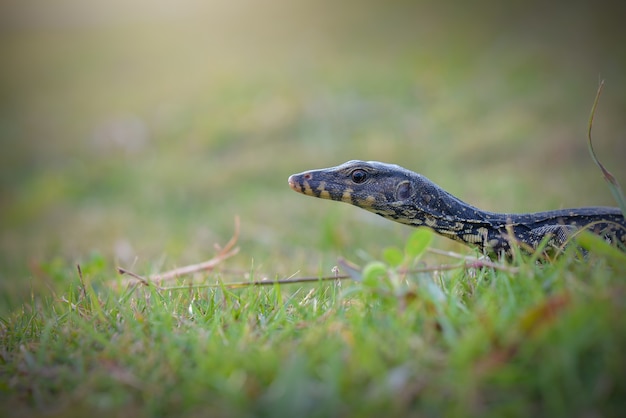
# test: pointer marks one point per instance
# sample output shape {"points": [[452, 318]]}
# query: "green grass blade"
{"points": [[616, 189], [594, 243]]}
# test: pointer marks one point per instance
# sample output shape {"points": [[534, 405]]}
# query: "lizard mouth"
{"points": [[293, 184], [300, 183]]}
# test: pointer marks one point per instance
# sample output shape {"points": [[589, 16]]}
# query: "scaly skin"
{"points": [[403, 196]]}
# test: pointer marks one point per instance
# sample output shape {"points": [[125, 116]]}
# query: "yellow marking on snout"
{"points": [[307, 189], [347, 196], [323, 192], [367, 202]]}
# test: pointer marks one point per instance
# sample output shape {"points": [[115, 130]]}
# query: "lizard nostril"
{"points": [[308, 176]]}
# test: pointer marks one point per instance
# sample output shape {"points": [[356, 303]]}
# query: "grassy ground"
{"points": [[132, 135], [514, 341]]}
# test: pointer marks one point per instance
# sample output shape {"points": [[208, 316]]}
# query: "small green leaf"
{"points": [[95, 264], [373, 272], [418, 242], [393, 256]]}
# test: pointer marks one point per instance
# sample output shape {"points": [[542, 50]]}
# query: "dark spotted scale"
{"points": [[403, 196]]}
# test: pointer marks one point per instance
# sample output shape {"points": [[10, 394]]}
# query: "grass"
{"points": [[132, 136], [525, 339]]}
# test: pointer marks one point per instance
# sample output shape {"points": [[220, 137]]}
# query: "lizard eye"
{"points": [[359, 176]]}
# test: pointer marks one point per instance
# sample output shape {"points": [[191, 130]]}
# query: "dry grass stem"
{"points": [[227, 251]]}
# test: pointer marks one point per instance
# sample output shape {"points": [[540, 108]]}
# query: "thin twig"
{"points": [[123, 271], [475, 264], [227, 251], [235, 285], [193, 268]]}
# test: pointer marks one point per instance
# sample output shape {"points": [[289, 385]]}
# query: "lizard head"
{"points": [[369, 185]]}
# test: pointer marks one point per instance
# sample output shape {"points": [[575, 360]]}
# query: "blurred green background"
{"points": [[138, 129]]}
